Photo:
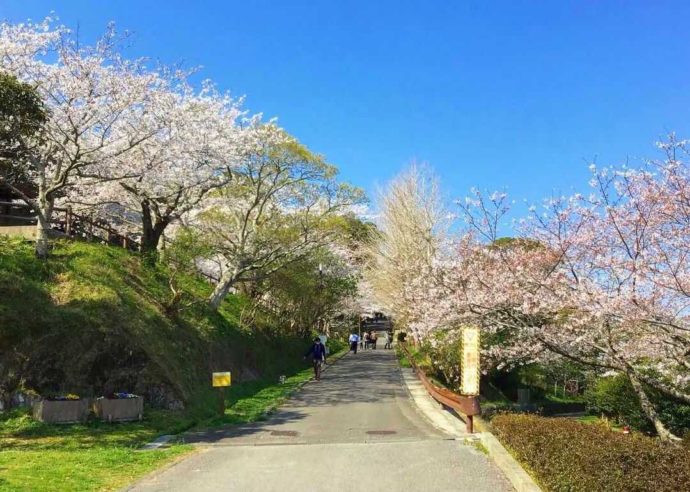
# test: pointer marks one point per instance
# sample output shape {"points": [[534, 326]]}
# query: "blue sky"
{"points": [[515, 95]]}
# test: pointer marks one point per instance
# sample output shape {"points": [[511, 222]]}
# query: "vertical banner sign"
{"points": [[470, 361]]}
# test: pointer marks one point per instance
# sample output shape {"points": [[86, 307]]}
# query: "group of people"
{"points": [[317, 352], [369, 340]]}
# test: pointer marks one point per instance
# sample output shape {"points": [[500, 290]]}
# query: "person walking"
{"points": [[389, 339], [367, 341], [318, 354], [374, 337], [354, 342]]}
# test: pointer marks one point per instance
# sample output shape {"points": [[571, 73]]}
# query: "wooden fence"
{"points": [[65, 222]]}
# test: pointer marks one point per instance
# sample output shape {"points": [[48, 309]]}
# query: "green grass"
{"points": [[98, 456], [103, 469], [595, 419], [589, 419], [110, 308], [35, 456], [563, 398], [478, 445]]}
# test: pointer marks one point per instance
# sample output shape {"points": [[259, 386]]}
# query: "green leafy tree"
{"points": [[22, 115], [282, 204], [309, 294]]}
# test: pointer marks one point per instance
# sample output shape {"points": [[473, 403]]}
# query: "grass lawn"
{"points": [[97, 456], [595, 419]]}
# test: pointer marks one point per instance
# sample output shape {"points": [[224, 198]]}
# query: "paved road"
{"points": [[355, 430]]}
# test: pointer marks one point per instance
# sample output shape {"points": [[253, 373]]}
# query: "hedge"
{"points": [[566, 455]]}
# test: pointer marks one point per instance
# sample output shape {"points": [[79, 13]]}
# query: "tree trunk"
{"points": [[42, 228], [152, 231], [44, 215], [222, 289], [649, 410], [161, 248]]}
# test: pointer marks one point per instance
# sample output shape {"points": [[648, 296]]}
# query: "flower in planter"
{"points": [[67, 397], [120, 396]]}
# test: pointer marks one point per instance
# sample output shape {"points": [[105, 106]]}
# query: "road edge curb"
{"points": [[518, 477]]}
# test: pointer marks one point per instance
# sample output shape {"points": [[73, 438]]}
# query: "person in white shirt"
{"points": [[354, 342]]}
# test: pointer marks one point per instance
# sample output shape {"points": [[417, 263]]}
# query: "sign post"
{"points": [[221, 380], [470, 368]]}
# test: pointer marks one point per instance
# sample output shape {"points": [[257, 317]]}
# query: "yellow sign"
{"points": [[470, 361], [221, 379]]}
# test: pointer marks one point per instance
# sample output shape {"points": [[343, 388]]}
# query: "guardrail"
{"points": [[468, 406]]}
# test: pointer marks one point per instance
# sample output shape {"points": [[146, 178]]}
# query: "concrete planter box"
{"points": [[61, 412], [119, 410]]}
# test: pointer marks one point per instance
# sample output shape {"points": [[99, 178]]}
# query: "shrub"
{"points": [[567, 455], [615, 397], [334, 345], [443, 351]]}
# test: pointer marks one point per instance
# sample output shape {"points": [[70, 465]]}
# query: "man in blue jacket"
{"points": [[318, 353]]}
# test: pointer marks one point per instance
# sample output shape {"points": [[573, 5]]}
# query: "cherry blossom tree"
{"points": [[97, 105], [169, 174], [598, 279], [601, 279]]}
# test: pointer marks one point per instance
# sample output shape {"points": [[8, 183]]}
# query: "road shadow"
{"points": [[366, 377], [370, 376], [212, 436]]}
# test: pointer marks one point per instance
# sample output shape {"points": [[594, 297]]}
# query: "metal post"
{"points": [[221, 403]]}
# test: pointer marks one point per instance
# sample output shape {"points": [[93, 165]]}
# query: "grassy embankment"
{"points": [[94, 319]]}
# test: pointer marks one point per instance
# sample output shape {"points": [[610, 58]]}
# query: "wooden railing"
{"points": [[65, 221], [468, 406]]}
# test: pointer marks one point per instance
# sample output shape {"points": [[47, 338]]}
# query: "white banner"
{"points": [[470, 361]]}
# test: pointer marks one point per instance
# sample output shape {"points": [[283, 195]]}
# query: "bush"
{"points": [[443, 351], [567, 455], [334, 345], [615, 397]]}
